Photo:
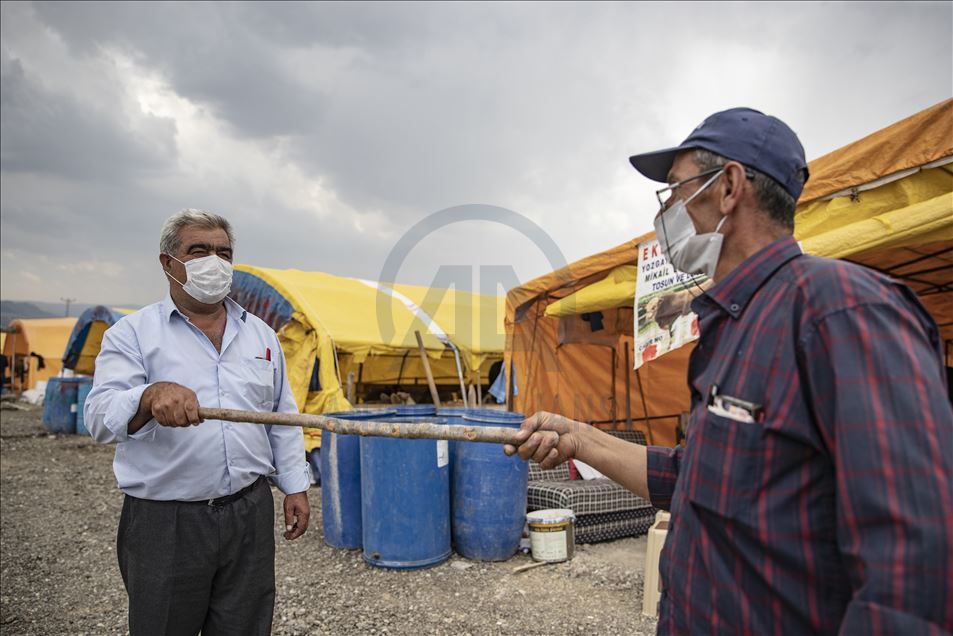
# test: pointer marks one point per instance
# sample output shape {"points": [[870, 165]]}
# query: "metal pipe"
{"points": [[463, 388]]}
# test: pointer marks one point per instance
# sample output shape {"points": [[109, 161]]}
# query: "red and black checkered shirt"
{"points": [[830, 509]]}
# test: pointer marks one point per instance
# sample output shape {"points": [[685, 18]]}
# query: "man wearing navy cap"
{"points": [[814, 493]]}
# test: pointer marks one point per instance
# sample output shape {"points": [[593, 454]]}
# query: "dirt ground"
{"points": [[59, 510]]}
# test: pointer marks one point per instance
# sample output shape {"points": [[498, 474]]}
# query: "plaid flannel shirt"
{"points": [[831, 511]]}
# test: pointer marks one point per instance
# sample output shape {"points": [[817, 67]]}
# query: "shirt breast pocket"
{"points": [[726, 468], [259, 378]]}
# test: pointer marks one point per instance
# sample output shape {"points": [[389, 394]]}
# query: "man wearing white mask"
{"points": [[196, 537], [814, 492]]}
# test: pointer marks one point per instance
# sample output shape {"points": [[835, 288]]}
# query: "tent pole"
{"points": [[479, 384], [350, 387], [400, 373], [645, 408], [463, 387], [426, 364], [628, 389], [13, 362], [612, 398]]}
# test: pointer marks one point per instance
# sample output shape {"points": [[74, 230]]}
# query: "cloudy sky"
{"points": [[326, 131]]}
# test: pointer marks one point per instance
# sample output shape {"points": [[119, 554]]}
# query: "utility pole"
{"points": [[67, 301]]}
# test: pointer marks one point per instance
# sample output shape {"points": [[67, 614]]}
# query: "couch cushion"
{"points": [[582, 497], [613, 525], [560, 473], [636, 437]]}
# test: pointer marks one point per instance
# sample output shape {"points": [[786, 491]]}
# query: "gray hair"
{"points": [[169, 238], [769, 194]]}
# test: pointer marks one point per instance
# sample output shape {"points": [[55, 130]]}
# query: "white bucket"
{"points": [[552, 534]]}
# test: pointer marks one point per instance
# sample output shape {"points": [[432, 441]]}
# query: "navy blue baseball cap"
{"points": [[744, 135]]}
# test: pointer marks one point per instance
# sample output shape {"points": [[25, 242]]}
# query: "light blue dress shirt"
{"points": [[215, 458]]}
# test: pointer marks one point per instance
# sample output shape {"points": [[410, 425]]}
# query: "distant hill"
{"points": [[15, 309], [18, 309]]}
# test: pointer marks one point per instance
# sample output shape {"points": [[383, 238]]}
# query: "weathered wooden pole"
{"points": [[425, 361], [369, 428]]}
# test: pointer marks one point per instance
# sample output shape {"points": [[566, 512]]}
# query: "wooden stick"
{"points": [[369, 428], [531, 566], [426, 363]]}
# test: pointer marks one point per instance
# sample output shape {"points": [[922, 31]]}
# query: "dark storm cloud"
{"points": [[323, 130], [208, 53], [421, 106], [46, 131]]}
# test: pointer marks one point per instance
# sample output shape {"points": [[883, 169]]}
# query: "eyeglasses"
{"points": [[664, 195]]}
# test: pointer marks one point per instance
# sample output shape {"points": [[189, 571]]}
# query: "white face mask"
{"points": [[208, 279], [688, 251]]}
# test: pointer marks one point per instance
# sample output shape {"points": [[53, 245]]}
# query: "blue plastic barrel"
{"points": [[59, 405], [82, 390], [489, 493], [341, 481], [405, 497], [415, 410], [454, 416]]}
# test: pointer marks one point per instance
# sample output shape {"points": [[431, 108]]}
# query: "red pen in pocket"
{"points": [[268, 354]]}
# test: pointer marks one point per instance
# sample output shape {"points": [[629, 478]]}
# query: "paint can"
{"points": [[552, 534]]}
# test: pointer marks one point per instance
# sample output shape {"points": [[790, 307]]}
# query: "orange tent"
{"points": [[45, 337], [885, 201], [564, 366]]}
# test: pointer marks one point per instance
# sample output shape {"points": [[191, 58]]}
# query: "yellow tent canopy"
{"points": [[336, 330], [615, 290], [45, 337], [472, 322]]}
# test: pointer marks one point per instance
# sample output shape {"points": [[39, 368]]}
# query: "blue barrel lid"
{"points": [[59, 379], [404, 410], [495, 417], [362, 414], [413, 419]]}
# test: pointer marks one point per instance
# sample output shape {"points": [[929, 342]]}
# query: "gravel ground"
{"points": [[59, 510]]}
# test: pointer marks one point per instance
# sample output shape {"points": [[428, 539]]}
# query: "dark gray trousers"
{"points": [[191, 567]]}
